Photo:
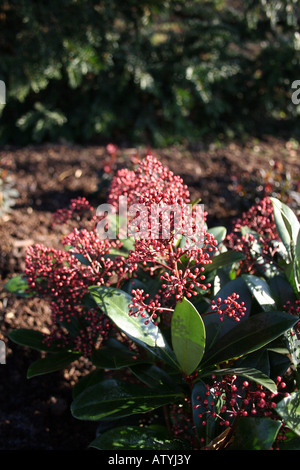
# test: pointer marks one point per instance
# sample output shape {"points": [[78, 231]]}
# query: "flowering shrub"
{"points": [[201, 339]]}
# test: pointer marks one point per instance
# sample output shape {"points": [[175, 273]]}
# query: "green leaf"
{"points": [[82, 259], [288, 227], [298, 247], [255, 433], [290, 339], [279, 363], [31, 338], [72, 325], [289, 410], [136, 437], [287, 223], [128, 244], [256, 360], [261, 291], [113, 399], [291, 441], [153, 376], [188, 336], [292, 274], [249, 373], [219, 233], [17, 285], [114, 303], [282, 290], [92, 378], [223, 259], [249, 335], [114, 356], [215, 328], [51, 363]]}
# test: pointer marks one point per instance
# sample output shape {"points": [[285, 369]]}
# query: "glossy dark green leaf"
{"points": [[31, 338], [261, 291], [113, 399], [298, 247], [289, 410], [188, 336], [223, 259], [135, 437], [154, 376], [86, 381], [288, 227], [108, 357], [82, 259], [256, 360], [287, 223], [249, 335], [219, 233], [51, 363], [292, 344], [279, 363], [215, 328], [282, 290], [291, 441], [255, 433], [114, 303]]}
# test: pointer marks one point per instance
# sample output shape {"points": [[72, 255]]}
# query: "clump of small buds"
{"points": [[229, 307], [179, 267], [62, 278], [260, 219], [77, 210], [238, 398], [145, 307], [181, 421], [150, 183]]}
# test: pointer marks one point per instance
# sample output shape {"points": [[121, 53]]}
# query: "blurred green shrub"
{"points": [[150, 70]]}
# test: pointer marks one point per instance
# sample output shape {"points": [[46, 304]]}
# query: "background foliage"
{"points": [[157, 71]]}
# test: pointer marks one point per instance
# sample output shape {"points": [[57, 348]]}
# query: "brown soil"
{"points": [[34, 414]]}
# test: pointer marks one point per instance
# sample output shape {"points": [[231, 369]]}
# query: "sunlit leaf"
{"points": [[113, 398], [188, 336], [261, 291], [115, 304], [289, 410], [136, 437], [249, 335], [255, 433]]}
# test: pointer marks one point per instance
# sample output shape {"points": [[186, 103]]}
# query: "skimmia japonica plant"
{"points": [[192, 334]]}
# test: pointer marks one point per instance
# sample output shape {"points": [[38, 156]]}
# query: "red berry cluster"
{"points": [[226, 400], [147, 309], [151, 183], [259, 219], [77, 209], [62, 278], [229, 307]]}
